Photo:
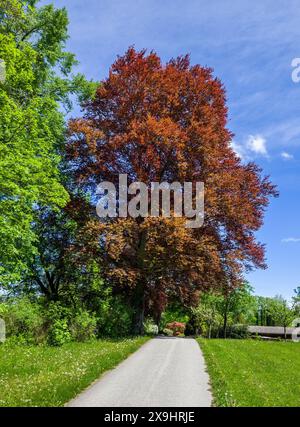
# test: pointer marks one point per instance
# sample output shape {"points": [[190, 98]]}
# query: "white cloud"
{"points": [[239, 150], [254, 145], [286, 156], [291, 240], [257, 144]]}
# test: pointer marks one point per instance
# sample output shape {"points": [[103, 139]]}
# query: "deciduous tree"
{"points": [[157, 122], [32, 126], [281, 313]]}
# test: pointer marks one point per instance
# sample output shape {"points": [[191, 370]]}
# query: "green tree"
{"points": [[60, 270], [281, 313], [206, 316], [216, 311], [296, 301], [32, 126], [264, 311], [237, 306]]}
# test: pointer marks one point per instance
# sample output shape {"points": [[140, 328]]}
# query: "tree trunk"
{"points": [[139, 292], [157, 319], [139, 310], [138, 322], [48, 288], [284, 333]]}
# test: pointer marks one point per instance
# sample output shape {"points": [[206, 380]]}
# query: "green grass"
{"points": [[252, 372], [51, 376]]}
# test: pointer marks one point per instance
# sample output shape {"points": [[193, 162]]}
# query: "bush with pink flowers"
{"points": [[176, 327]]}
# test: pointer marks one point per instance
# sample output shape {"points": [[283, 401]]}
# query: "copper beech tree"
{"points": [[155, 123]]}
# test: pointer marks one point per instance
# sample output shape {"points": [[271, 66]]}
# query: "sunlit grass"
{"points": [[252, 372], [51, 376]]}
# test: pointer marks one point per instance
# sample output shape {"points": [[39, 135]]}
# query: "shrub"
{"points": [[59, 333], [174, 311], [167, 332], [116, 319], [232, 331], [58, 319], [83, 326], [24, 320], [65, 324], [238, 332], [190, 328], [177, 327], [150, 327]]}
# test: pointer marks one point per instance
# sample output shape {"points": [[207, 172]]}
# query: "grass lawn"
{"points": [[51, 376], [252, 372]]}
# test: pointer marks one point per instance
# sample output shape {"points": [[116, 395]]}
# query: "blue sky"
{"points": [[250, 45]]}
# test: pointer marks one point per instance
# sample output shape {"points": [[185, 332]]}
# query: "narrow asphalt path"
{"points": [[163, 372]]}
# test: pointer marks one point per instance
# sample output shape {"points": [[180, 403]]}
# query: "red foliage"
{"points": [[159, 122], [177, 328]]}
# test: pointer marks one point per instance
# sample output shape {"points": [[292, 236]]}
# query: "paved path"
{"points": [[163, 372]]}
